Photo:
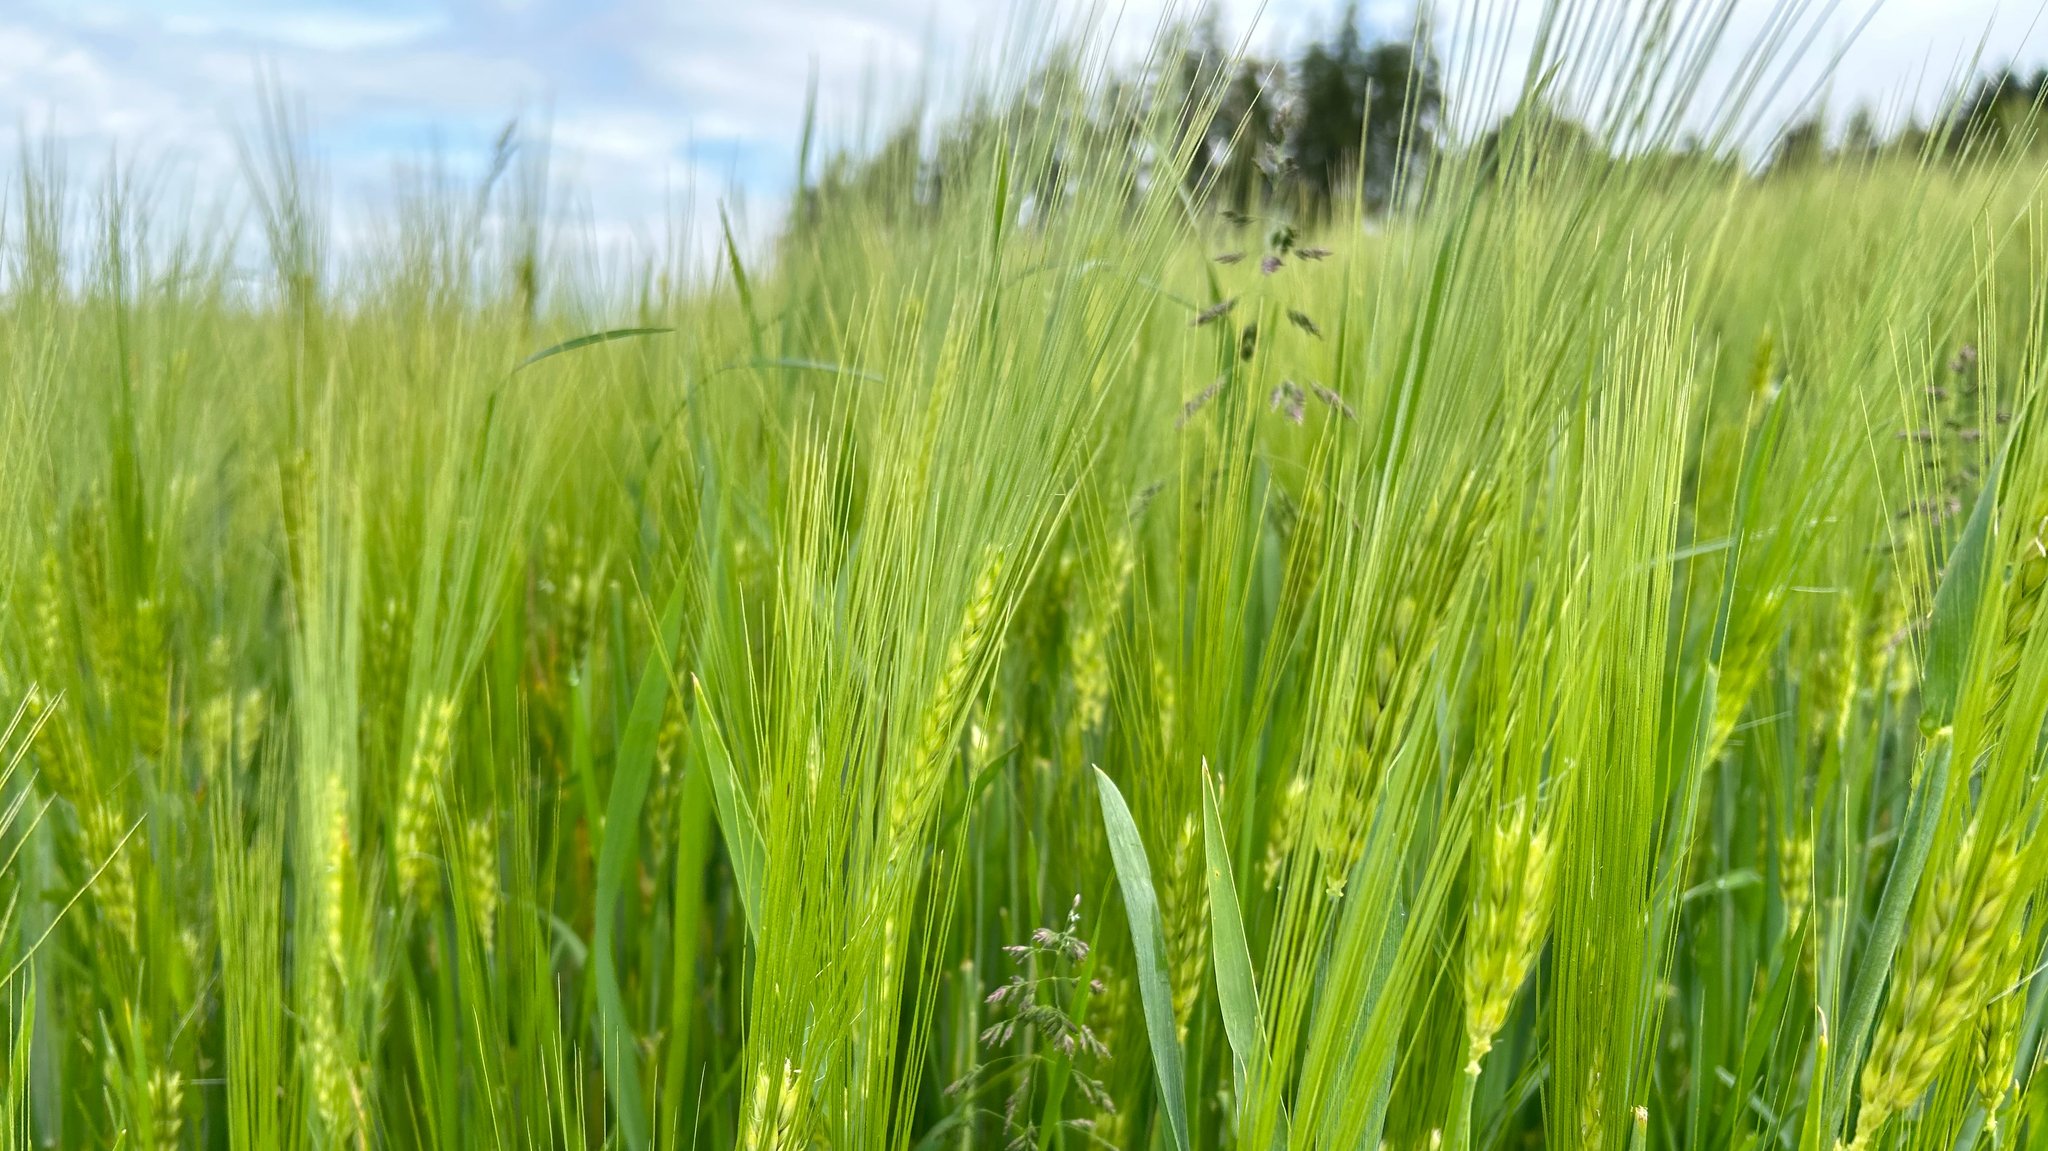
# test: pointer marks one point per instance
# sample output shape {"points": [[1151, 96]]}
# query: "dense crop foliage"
{"points": [[1064, 667]]}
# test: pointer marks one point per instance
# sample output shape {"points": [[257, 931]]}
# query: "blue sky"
{"points": [[659, 109]]}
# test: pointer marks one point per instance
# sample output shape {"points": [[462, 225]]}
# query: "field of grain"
{"points": [[1048, 663]]}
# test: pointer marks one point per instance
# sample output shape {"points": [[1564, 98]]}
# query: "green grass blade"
{"points": [[742, 285], [1812, 1134], [1766, 1025], [1237, 992], [692, 851], [630, 776], [800, 364], [736, 820], [1954, 624], [1148, 943], [586, 340], [1923, 815], [14, 1110]]}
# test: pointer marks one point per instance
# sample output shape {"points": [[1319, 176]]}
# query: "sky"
{"points": [[663, 111]]}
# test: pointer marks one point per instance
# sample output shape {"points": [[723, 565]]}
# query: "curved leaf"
{"points": [[1954, 623], [736, 820], [1237, 992], [742, 284], [631, 774], [585, 341], [1148, 943], [1923, 815]]}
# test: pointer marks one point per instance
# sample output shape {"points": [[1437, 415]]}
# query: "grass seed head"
{"points": [[1213, 313], [1288, 809], [1340, 819], [338, 857], [1200, 401], [332, 1089], [114, 891], [1941, 985], [1795, 875], [1090, 647], [480, 857], [1186, 912], [419, 798], [914, 788], [2023, 594], [1995, 1044], [755, 1133], [1510, 918], [1290, 401], [167, 1107], [1333, 401]]}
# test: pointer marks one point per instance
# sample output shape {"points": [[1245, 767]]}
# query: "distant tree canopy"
{"points": [[1233, 109], [1541, 142], [1999, 113], [1384, 98], [1346, 109], [1348, 114], [1801, 145]]}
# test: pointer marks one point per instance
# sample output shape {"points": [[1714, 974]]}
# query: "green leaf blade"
{"points": [[736, 821], [587, 340], [1148, 942], [631, 776], [1236, 988]]}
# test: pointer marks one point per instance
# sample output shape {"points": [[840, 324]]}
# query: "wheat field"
{"points": [[1049, 663]]}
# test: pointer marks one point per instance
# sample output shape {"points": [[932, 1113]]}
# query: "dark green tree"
{"points": [[1231, 104], [1368, 112], [1801, 145], [1860, 137], [2001, 111], [1539, 144]]}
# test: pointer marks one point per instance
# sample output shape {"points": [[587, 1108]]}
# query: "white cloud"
{"points": [[316, 29]]}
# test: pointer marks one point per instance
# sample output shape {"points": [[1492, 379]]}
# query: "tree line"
{"points": [[1350, 119], [1997, 112]]}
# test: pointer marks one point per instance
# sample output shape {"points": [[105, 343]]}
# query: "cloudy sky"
{"points": [[659, 110]]}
